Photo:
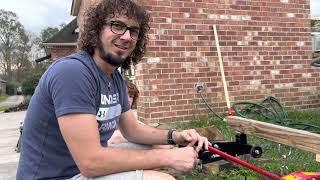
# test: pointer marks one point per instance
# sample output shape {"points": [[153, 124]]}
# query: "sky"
{"points": [[36, 15], [315, 8]]}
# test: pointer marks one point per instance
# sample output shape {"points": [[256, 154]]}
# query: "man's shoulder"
{"points": [[74, 62], [80, 57]]}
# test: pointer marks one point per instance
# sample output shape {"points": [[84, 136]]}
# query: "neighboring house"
{"points": [[315, 44], [2, 87], [63, 43], [266, 50], [315, 34]]}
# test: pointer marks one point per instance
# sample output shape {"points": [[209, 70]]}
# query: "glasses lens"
{"points": [[134, 33], [118, 28]]}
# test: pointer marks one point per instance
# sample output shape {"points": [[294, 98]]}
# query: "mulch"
{"points": [[20, 107]]}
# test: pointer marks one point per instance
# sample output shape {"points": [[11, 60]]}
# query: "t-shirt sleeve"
{"points": [[124, 95], [125, 101], [72, 88]]}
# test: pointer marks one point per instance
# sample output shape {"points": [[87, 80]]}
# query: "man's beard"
{"points": [[109, 58]]}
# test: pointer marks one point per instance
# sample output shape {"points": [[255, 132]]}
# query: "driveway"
{"points": [[9, 134], [12, 101]]}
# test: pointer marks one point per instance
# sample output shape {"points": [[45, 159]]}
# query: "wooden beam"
{"points": [[292, 137]]}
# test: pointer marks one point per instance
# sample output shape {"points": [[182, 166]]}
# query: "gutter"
{"points": [[60, 44], [75, 7]]}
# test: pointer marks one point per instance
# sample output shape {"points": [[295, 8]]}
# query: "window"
{"points": [[315, 41], [128, 73]]}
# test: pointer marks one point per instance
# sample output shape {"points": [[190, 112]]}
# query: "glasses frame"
{"points": [[112, 23]]}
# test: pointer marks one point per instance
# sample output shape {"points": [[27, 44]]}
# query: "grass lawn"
{"points": [[279, 159], [3, 98], [2, 108]]}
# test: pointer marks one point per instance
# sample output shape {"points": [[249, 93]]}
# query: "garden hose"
{"points": [[271, 111], [209, 107]]}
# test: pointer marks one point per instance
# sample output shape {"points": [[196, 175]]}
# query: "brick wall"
{"points": [[266, 49], [60, 51]]}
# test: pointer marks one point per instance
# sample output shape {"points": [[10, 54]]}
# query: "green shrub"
{"points": [[30, 84], [11, 88]]}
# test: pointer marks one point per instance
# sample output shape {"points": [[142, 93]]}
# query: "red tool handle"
{"points": [[243, 163]]}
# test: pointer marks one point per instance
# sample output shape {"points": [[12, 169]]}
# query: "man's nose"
{"points": [[126, 35]]}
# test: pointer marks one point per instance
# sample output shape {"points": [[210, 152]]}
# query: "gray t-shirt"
{"points": [[73, 84]]}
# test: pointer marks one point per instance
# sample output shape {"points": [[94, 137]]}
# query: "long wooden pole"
{"points": [[222, 71]]}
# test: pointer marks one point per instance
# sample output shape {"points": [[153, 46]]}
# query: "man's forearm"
{"points": [[144, 134], [140, 133], [114, 160]]}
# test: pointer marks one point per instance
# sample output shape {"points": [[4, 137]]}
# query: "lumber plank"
{"points": [[292, 137]]}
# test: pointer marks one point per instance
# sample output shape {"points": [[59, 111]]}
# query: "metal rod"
{"points": [[243, 163]]}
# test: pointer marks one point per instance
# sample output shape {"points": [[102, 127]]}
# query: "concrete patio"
{"points": [[9, 135]]}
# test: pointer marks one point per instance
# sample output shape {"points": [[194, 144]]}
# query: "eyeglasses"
{"points": [[118, 27]]}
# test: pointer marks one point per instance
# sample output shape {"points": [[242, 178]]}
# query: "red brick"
{"points": [[256, 39]]}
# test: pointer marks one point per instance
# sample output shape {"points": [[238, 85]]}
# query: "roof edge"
{"points": [[43, 58], [315, 18], [75, 7], [60, 44]]}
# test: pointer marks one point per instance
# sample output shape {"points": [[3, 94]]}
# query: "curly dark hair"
{"points": [[132, 92], [95, 17]]}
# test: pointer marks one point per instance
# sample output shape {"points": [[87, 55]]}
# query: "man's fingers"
{"points": [[200, 144], [206, 144], [187, 137], [191, 137], [195, 136]]}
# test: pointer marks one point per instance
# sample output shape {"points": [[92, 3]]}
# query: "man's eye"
{"points": [[134, 31], [119, 26]]}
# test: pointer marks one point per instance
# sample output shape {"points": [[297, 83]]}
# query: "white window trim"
{"points": [[315, 41]]}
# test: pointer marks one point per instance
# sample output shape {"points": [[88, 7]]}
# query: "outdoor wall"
{"points": [[60, 51], [266, 50]]}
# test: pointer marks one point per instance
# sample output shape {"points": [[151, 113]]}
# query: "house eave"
{"points": [[317, 18], [75, 7], [60, 44], [43, 58]]}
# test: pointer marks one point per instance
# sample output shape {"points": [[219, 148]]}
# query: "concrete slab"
{"points": [[12, 100], [9, 135]]}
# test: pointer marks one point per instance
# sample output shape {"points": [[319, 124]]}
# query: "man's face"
{"points": [[118, 39]]}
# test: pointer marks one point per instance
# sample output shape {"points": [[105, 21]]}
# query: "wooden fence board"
{"points": [[292, 137]]}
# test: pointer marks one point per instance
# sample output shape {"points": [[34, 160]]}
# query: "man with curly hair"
{"points": [[81, 99]]}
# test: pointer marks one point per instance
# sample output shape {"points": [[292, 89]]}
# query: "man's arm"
{"points": [[144, 134], [140, 133], [80, 132]]}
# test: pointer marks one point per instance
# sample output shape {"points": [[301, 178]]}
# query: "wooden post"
{"points": [[318, 157]]}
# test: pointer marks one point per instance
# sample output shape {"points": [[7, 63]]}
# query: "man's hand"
{"points": [[189, 138], [183, 159]]}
